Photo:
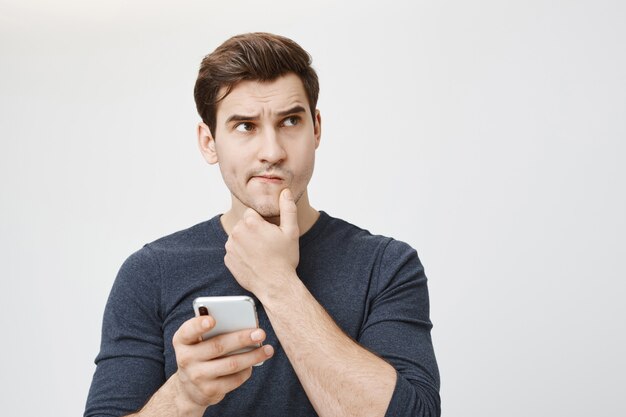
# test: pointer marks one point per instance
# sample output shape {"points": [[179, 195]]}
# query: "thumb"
{"points": [[288, 214]]}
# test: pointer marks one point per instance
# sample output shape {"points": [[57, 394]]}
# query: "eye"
{"points": [[244, 127], [291, 121]]}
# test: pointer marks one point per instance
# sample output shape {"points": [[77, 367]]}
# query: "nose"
{"points": [[270, 149]]}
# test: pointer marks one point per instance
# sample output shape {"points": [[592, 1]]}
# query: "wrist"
{"points": [[185, 406], [288, 289], [171, 400]]}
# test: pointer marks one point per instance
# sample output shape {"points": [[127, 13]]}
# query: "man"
{"points": [[343, 314]]}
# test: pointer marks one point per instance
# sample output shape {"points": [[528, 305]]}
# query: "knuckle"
{"points": [[196, 378], [183, 357], [184, 361], [216, 348], [228, 261], [209, 391], [216, 398], [232, 365]]}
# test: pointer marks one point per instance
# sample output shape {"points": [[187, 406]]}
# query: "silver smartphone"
{"points": [[231, 313]]}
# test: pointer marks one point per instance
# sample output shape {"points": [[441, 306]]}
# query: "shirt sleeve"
{"points": [[397, 328], [130, 364]]}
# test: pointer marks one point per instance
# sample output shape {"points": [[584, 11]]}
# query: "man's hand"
{"points": [[261, 255], [204, 375]]}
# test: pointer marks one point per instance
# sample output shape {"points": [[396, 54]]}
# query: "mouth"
{"points": [[269, 179]]}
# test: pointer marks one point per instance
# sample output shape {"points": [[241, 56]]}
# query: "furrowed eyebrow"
{"points": [[243, 118], [240, 118], [293, 110]]}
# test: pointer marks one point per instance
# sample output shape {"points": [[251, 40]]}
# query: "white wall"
{"points": [[487, 134]]}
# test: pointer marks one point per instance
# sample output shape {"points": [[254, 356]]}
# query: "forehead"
{"points": [[255, 97]]}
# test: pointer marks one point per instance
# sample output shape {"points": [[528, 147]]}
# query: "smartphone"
{"points": [[231, 313]]}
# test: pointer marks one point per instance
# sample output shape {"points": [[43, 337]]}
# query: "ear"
{"points": [[206, 143], [317, 128]]}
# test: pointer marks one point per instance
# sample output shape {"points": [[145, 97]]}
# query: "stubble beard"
{"points": [[271, 211], [268, 211]]}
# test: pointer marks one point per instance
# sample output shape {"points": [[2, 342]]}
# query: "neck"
{"points": [[307, 215]]}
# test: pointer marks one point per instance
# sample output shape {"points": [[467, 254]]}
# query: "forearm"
{"points": [[169, 401], [340, 377]]}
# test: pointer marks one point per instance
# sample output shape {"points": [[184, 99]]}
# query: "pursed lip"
{"points": [[268, 178]]}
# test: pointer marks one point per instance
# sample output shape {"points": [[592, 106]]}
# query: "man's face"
{"points": [[265, 141]]}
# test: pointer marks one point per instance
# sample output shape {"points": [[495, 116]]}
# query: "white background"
{"points": [[487, 134]]}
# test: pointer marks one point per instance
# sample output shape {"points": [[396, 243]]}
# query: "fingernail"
{"points": [[268, 349], [206, 323], [256, 335]]}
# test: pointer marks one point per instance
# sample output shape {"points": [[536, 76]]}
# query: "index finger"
{"points": [[191, 331], [288, 213]]}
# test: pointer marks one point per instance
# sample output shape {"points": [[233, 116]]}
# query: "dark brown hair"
{"points": [[252, 57]]}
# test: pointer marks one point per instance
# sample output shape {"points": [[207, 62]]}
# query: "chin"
{"points": [[267, 212], [265, 209]]}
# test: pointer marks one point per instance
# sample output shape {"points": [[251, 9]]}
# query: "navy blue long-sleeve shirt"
{"points": [[374, 288]]}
